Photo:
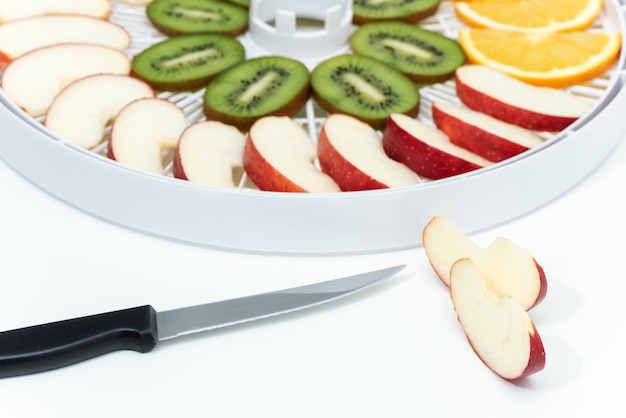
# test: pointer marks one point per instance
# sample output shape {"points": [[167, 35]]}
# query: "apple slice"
{"points": [[486, 90], [17, 9], [351, 152], [34, 79], [280, 156], [143, 130], [482, 134], [507, 267], [81, 112], [136, 2], [497, 327], [209, 152], [427, 150], [20, 36]]}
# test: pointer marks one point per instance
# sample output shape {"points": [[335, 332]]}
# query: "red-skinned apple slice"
{"points": [[34, 79], [143, 130], [486, 90], [17, 9], [81, 112], [20, 36], [482, 134], [351, 152], [136, 2], [427, 150], [209, 152], [497, 327], [279, 156], [507, 267]]}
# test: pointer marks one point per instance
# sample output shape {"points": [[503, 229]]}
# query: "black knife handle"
{"points": [[57, 344]]}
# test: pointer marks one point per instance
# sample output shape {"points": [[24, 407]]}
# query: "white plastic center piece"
{"points": [[307, 30]]}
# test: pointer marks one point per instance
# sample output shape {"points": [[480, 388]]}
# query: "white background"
{"points": [[395, 350]]}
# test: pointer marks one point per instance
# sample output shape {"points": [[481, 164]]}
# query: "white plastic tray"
{"points": [[356, 222]]}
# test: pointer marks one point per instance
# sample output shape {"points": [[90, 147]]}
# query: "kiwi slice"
{"points": [[364, 11], [175, 17], [258, 87], [363, 87], [424, 56], [187, 62]]}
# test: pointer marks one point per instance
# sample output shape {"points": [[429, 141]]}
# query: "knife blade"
{"points": [[57, 344]]}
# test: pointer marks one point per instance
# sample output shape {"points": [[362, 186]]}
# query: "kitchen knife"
{"points": [[49, 346]]}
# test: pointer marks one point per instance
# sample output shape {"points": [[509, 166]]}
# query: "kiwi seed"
{"points": [[424, 56], [175, 17], [363, 87], [258, 87], [187, 62]]}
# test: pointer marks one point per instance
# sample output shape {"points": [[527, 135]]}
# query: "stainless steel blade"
{"points": [[208, 316]]}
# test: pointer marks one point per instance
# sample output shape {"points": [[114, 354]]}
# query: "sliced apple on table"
{"points": [[81, 111], [351, 152], [490, 91], [143, 130], [20, 36], [427, 150], [210, 152], [279, 156], [507, 267], [18, 9], [33, 80], [499, 330], [482, 134]]}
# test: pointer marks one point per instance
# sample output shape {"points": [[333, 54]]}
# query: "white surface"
{"points": [[394, 351], [276, 223]]}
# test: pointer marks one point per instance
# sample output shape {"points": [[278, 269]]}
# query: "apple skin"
{"points": [[346, 175], [520, 116], [257, 167], [360, 145], [422, 158], [4, 60], [477, 139], [445, 243], [499, 330], [279, 156]]}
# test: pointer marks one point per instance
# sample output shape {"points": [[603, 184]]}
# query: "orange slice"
{"points": [[548, 59], [530, 15]]}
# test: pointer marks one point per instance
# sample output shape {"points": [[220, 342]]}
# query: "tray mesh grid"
{"points": [[143, 34]]}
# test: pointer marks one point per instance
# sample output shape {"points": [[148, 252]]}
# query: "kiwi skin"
{"points": [[243, 123], [359, 19]]}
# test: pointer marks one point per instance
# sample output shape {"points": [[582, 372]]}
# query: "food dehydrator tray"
{"points": [[245, 219]]}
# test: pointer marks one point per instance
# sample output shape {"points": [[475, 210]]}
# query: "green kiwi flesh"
{"points": [[411, 11], [424, 56], [174, 17], [363, 87], [258, 87], [187, 62], [242, 3]]}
